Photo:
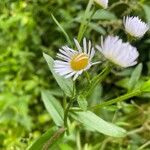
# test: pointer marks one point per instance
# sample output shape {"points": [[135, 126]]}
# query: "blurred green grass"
{"points": [[27, 30]]}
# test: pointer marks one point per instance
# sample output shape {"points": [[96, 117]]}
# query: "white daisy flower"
{"points": [[102, 3], [119, 53], [74, 62], [135, 26]]}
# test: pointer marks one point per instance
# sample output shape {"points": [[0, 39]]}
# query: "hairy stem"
{"points": [[118, 99], [66, 115], [56, 135], [68, 108]]}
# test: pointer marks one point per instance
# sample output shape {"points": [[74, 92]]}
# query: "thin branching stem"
{"points": [[98, 79], [118, 99]]}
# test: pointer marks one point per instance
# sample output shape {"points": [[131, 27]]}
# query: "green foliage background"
{"points": [[26, 31]]}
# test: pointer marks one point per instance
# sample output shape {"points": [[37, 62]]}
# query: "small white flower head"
{"points": [[71, 62], [102, 3], [117, 52], [135, 26]]}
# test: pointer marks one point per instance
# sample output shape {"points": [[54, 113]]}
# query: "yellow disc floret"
{"points": [[79, 61]]}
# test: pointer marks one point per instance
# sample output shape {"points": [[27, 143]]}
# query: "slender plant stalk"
{"points": [[117, 4], [78, 141], [118, 99], [56, 135], [144, 145], [62, 29], [68, 108], [98, 79], [88, 77], [66, 115], [64, 100], [83, 23], [88, 21], [130, 38]]}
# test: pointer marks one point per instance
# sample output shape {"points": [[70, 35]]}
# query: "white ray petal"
{"points": [[70, 75], [78, 46], [85, 45]]}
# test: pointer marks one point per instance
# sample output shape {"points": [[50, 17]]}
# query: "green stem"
{"points": [[88, 77], [116, 4], [118, 99], [88, 21], [54, 138], [83, 23], [68, 108], [98, 79], [66, 115], [64, 101], [130, 38]]}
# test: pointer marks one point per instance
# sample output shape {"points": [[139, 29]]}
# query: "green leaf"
{"points": [[97, 28], [124, 83], [135, 77], [94, 122], [38, 144], [64, 146], [104, 15], [146, 86], [82, 102], [48, 135], [62, 29], [96, 96], [53, 108], [65, 84], [147, 12]]}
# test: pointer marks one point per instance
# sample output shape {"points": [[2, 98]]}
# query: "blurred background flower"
{"points": [[118, 52], [135, 26]]}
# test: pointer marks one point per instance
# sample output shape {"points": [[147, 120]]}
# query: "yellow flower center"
{"points": [[79, 61]]}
